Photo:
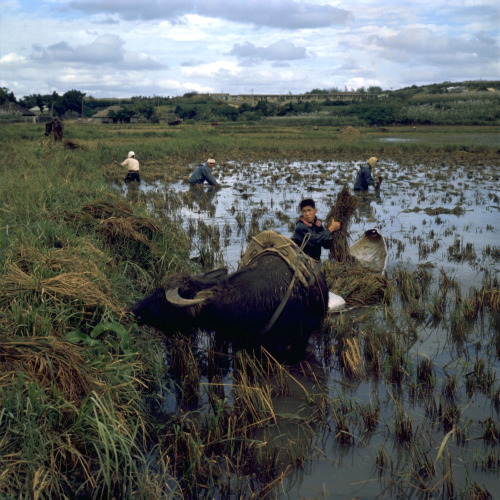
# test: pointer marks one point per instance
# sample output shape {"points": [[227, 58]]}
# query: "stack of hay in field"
{"points": [[350, 132], [345, 276]]}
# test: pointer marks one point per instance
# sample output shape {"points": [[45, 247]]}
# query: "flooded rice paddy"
{"points": [[400, 399]]}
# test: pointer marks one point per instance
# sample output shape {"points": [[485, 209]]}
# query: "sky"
{"points": [[125, 48]]}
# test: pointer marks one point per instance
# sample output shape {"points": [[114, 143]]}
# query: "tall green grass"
{"points": [[72, 413]]}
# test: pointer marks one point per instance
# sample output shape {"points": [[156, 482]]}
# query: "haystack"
{"points": [[350, 132]]}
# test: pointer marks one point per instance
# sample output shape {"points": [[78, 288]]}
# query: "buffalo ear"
{"points": [[216, 274], [173, 297]]}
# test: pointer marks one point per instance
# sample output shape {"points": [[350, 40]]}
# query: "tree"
{"points": [[375, 113], [56, 105], [145, 108], [229, 112], [28, 101], [6, 95], [122, 116], [244, 107], [373, 89], [266, 108], [39, 102], [72, 101]]}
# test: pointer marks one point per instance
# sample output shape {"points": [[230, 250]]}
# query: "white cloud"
{"points": [[105, 49], [124, 47], [286, 14], [11, 58], [422, 43], [281, 50]]}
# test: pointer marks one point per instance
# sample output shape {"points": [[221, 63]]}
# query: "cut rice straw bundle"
{"points": [[356, 285], [82, 257], [103, 209], [73, 286], [342, 212], [48, 360], [121, 229]]}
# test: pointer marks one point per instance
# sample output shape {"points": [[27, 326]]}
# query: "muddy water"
{"points": [[443, 215]]}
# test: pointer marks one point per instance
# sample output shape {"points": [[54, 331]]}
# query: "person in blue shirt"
{"points": [[310, 229], [364, 178], [204, 173]]}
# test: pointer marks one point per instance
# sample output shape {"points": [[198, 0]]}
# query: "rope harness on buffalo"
{"points": [[304, 268]]}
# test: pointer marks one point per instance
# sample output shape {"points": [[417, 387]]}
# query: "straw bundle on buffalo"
{"points": [[342, 212]]}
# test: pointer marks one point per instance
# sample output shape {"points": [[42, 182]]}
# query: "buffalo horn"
{"points": [[175, 299]]}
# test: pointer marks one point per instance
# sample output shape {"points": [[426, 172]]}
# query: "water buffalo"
{"points": [[55, 127], [262, 303], [175, 122]]}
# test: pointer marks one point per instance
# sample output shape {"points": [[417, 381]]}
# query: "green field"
{"points": [[77, 377]]}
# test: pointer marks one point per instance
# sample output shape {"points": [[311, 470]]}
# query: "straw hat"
{"points": [[210, 160], [372, 161]]}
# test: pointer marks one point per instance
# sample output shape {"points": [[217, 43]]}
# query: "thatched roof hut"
{"points": [[103, 116], [12, 108]]}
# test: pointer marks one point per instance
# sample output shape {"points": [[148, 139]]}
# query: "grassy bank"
{"points": [[73, 372], [81, 386]]}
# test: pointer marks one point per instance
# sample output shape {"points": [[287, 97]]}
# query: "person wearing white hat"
{"points": [[204, 173], [133, 167], [364, 177]]}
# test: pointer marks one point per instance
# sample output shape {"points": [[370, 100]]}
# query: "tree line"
{"points": [[445, 103]]}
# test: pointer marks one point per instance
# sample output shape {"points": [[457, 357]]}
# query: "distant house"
{"points": [[103, 116], [36, 110], [11, 108], [457, 89]]}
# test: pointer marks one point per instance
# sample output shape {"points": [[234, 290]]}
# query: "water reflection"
{"points": [[201, 198], [365, 199]]}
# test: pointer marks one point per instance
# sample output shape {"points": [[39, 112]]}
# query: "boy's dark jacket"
{"points": [[319, 237]]}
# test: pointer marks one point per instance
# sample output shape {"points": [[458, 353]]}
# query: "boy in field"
{"points": [[310, 231]]}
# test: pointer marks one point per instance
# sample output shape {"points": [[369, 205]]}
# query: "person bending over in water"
{"points": [[364, 177], [204, 173]]}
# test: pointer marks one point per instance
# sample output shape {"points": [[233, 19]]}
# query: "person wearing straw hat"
{"points": [[310, 234], [203, 173], [364, 178], [133, 167]]}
